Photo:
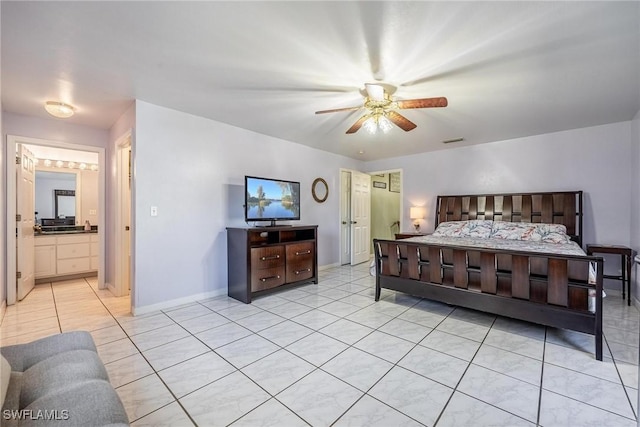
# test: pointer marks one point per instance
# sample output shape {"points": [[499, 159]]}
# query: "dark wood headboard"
{"points": [[562, 207]]}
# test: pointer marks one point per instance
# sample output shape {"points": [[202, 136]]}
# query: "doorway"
{"points": [[386, 204], [14, 147], [355, 217], [379, 194], [124, 174]]}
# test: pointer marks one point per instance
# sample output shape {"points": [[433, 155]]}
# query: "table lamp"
{"points": [[416, 213]]}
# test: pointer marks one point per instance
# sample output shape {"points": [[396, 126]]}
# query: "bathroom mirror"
{"points": [[46, 200], [65, 203]]}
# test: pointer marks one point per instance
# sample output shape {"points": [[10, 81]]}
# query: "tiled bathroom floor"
{"points": [[327, 354]]}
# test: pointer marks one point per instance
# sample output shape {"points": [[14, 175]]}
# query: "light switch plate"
{"points": [[154, 211]]}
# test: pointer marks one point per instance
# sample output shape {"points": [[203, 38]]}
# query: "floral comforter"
{"points": [[570, 248]]}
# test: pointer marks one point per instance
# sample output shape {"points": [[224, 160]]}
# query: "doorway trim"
{"points": [[10, 231], [121, 258]]}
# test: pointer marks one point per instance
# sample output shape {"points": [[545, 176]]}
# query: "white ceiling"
{"points": [[508, 69]]}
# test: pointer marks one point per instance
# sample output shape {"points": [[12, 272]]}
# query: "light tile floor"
{"points": [[328, 354]]}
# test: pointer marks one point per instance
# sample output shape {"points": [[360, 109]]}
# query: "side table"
{"points": [[626, 254]]}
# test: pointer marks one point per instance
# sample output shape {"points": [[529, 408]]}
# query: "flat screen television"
{"points": [[268, 199]]}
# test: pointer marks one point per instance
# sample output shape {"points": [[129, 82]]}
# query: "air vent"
{"points": [[449, 141]]}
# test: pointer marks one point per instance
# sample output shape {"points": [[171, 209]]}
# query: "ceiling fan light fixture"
{"points": [[378, 122], [59, 109]]}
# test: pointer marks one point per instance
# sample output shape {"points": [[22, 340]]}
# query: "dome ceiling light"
{"points": [[59, 109]]}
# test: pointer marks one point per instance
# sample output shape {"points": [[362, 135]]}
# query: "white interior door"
{"points": [[360, 217], [345, 217], [123, 219], [25, 220]]}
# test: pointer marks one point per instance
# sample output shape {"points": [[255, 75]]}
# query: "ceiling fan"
{"points": [[380, 109]]}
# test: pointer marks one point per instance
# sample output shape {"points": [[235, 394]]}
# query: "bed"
{"points": [[537, 276]]}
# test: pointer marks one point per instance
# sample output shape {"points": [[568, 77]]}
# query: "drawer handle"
{"points": [[303, 271], [264, 279], [304, 253], [264, 258]]}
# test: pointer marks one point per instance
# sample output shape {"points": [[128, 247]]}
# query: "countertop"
{"points": [[66, 230]]}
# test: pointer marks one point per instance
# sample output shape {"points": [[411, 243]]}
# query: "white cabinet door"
{"points": [[45, 261]]}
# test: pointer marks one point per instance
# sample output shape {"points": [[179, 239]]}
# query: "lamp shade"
{"points": [[416, 212]]}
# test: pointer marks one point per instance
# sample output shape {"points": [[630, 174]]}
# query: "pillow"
{"points": [[553, 233], [477, 228], [450, 229], [5, 375], [535, 232], [512, 230]]}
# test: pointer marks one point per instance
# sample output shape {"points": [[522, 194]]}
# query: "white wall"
{"points": [[635, 198], [3, 210], [3, 221], [193, 170], [54, 130], [595, 160]]}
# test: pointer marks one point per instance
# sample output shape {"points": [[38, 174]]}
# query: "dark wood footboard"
{"points": [[548, 289]]}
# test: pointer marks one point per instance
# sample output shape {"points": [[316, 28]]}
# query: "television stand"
{"points": [[262, 260], [273, 224]]}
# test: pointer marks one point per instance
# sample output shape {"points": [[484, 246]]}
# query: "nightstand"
{"points": [[408, 234], [625, 263]]}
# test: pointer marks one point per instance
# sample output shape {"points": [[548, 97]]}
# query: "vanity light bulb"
{"points": [[47, 162], [94, 167], [83, 166], [71, 165], [36, 161], [59, 163]]}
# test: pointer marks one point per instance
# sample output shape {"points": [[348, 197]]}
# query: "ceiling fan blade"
{"points": [[401, 121], [337, 110], [375, 92], [357, 125], [423, 103]]}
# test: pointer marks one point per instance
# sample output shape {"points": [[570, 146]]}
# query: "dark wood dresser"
{"points": [[262, 259]]}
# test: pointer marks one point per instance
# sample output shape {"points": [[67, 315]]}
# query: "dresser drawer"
{"points": [[267, 257], [73, 265], [300, 261], [45, 240], [76, 250], [74, 238], [300, 252], [267, 278]]}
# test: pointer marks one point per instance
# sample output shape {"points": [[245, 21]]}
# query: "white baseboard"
{"points": [[136, 311], [328, 266]]}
